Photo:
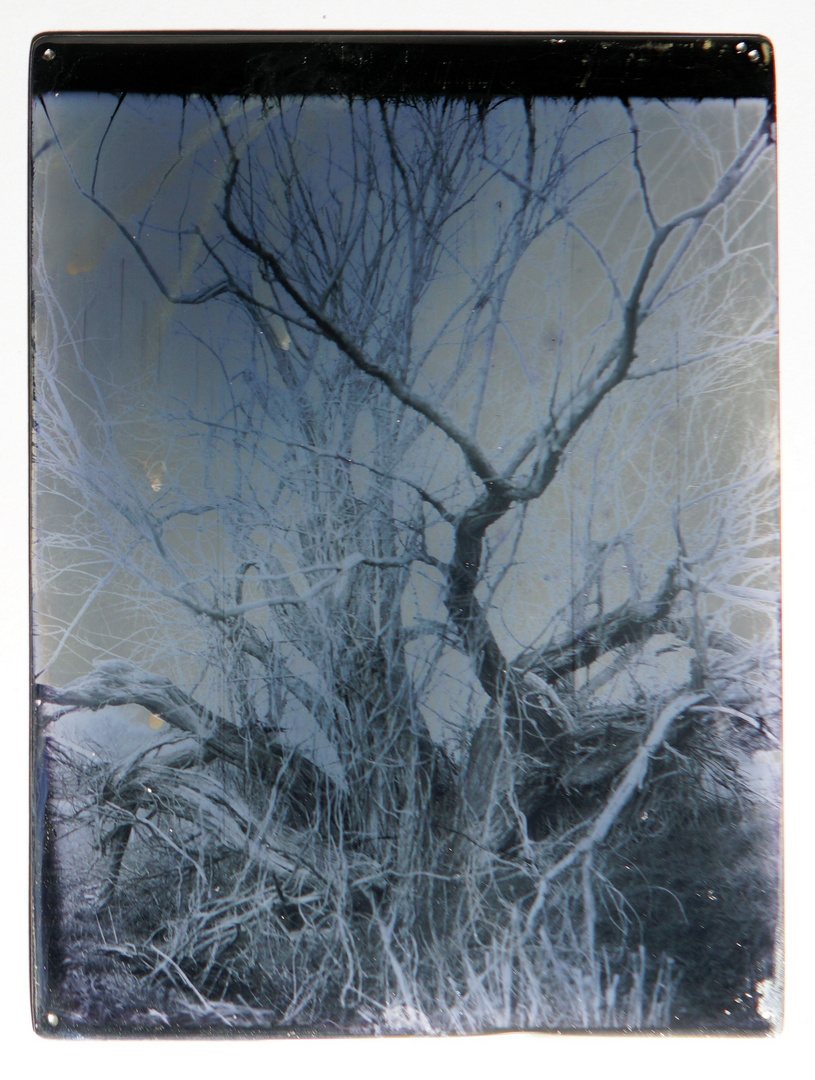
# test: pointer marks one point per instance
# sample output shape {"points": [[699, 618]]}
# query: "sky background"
{"points": [[793, 31]]}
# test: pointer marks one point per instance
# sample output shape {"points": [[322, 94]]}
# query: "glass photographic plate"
{"points": [[405, 588]]}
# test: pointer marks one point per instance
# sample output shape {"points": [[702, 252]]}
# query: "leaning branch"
{"points": [[629, 624], [117, 682], [631, 782]]}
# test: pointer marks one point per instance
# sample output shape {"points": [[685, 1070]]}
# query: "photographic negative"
{"points": [[405, 535]]}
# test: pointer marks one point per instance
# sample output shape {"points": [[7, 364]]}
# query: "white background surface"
{"points": [[792, 30]]}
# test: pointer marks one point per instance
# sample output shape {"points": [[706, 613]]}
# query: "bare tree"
{"points": [[442, 549]]}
